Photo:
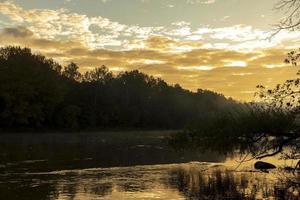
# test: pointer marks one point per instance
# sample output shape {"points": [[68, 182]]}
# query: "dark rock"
{"points": [[263, 165]]}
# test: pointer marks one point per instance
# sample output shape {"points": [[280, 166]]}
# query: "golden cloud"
{"points": [[198, 67]]}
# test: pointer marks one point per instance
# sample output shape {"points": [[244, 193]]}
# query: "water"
{"points": [[50, 152], [173, 181], [127, 165]]}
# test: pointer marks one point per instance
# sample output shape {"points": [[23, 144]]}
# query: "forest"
{"points": [[37, 93]]}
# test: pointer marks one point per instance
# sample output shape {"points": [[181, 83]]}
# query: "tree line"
{"points": [[38, 93]]}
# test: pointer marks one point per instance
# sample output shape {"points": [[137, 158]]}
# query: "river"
{"points": [[126, 165]]}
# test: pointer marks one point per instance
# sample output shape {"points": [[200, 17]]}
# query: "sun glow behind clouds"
{"points": [[192, 54], [236, 64], [153, 62], [204, 68]]}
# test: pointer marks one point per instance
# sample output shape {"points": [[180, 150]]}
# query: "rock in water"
{"points": [[263, 165]]}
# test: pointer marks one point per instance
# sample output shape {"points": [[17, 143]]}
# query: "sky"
{"points": [[220, 45]]}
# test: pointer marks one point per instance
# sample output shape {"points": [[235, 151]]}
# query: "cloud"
{"points": [[59, 24], [18, 32], [197, 68], [231, 60], [99, 32], [168, 44]]}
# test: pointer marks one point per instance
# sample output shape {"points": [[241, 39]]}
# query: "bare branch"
{"points": [[290, 8]]}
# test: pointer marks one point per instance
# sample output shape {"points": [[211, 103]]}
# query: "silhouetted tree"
{"points": [[30, 88], [100, 75], [71, 72], [291, 9], [37, 93]]}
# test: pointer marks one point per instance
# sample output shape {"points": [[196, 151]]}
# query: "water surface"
{"points": [[126, 165]]}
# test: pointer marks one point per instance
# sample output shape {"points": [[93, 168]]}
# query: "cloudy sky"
{"points": [[220, 45]]}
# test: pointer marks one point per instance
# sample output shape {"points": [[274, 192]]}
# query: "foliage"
{"points": [[293, 57], [251, 130], [38, 93]]}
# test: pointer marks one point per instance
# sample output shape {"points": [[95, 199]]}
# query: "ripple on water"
{"points": [[175, 181]]}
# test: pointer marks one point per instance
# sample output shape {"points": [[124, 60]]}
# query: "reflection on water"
{"points": [[145, 182], [224, 184], [124, 165], [50, 152], [177, 181]]}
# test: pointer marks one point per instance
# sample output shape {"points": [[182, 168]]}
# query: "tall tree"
{"points": [[71, 72]]}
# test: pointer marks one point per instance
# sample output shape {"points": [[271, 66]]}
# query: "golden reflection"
{"points": [[164, 182]]}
